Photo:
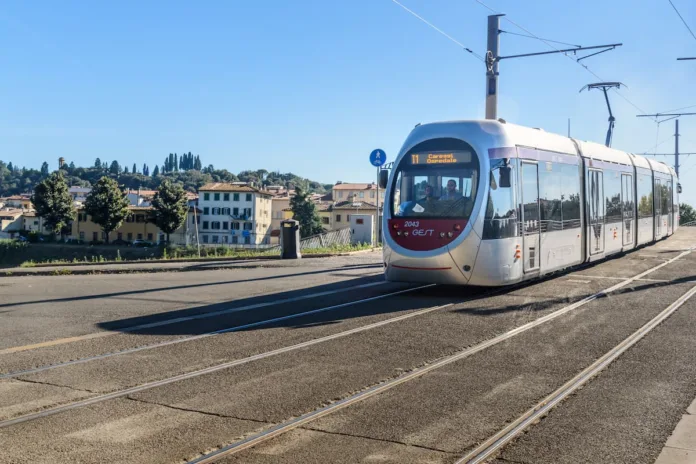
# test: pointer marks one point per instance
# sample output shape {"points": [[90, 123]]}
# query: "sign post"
{"points": [[377, 158]]}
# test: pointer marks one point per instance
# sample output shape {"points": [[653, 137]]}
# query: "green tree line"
{"points": [[185, 170]]}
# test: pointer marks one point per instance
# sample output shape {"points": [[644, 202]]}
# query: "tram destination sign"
{"points": [[441, 158]]}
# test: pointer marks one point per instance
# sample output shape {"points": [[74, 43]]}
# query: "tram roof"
{"points": [[660, 167]]}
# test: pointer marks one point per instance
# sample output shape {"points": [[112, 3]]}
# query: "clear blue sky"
{"points": [[312, 86]]}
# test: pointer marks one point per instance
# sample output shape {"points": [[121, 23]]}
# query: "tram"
{"points": [[491, 203]]}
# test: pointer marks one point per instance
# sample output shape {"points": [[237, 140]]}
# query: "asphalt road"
{"points": [[141, 375]]}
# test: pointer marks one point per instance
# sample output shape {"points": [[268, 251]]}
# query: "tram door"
{"points": [[670, 207], [658, 208], [596, 207], [530, 216], [628, 208]]}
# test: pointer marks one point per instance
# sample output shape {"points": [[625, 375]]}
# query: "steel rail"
{"points": [[294, 423], [491, 446]]}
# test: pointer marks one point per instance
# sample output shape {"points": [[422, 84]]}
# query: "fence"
{"points": [[326, 240]]}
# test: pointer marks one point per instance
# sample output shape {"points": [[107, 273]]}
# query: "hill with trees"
{"points": [[186, 170]]}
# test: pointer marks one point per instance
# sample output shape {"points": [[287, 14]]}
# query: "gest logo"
{"points": [[423, 232]]}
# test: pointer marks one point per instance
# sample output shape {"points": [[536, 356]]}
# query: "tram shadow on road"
{"points": [[339, 301]]}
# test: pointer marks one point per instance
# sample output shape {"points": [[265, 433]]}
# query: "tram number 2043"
{"points": [[412, 224]]}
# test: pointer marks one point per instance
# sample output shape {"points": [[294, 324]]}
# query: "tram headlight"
{"points": [[450, 234], [398, 232], [457, 227], [442, 234]]}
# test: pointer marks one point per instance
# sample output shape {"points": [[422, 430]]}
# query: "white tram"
{"points": [[492, 203]]}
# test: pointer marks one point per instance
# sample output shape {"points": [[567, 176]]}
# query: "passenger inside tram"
{"points": [[451, 193]]}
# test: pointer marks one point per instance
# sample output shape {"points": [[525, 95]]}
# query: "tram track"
{"points": [[214, 333], [489, 448], [294, 423]]}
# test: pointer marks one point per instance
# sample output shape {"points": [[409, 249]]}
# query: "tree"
{"points": [[10, 167], [135, 169], [170, 163], [125, 170], [686, 213], [44, 169], [115, 168], [155, 173], [169, 207], [98, 163], [197, 165], [72, 166], [146, 171], [53, 203], [176, 162], [305, 212], [107, 205]]}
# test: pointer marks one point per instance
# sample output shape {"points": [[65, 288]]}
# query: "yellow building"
{"points": [[360, 192], [18, 201], [135, 227], [11, 222]]}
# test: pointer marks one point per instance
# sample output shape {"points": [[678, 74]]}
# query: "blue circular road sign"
{"points": [[378, 157]]}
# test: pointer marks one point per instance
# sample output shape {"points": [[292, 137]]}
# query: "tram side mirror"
{"points": [[678, 188], [383, 178], [505, 175]]}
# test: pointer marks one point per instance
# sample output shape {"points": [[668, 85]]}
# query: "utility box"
{"points": [[290, 239], [362, 228]]}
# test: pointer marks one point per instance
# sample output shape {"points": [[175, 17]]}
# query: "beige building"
{"points": [[11, 222], [18, 201], [360, 192], [234, 214], [135, 227]]}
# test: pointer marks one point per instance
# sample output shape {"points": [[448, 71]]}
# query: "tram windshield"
{"points": [[436, 184]]}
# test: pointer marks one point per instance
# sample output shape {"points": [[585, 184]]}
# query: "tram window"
{"points": [[501, 213], [612, 195], [570, 195], [628, 206], [550, 197], [645, 195]]}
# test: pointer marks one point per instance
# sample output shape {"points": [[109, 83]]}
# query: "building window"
{"points": [[139, 218], [347, 217], [36, 223], [235, 226], [95, 236], [225, 239], [140, 236], [248, 226], [215, 238], [340, 194], [149, 237], [217, 198], [215, 225], [360, 221], [206, 196], [130, 218], [247, 240], [361, 194], [130, 236], [205, 238], [82, 235], [225, 225], [247, 212], [235, 197], [119, 236], [235, 211], [205, 225], [206, 210], [338, 218], [324, 220], [372, 194], [226, 197], [103, 236], [235, 239], [248, 197]]}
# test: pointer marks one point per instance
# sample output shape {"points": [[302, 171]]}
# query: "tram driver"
{"points": [[451, 193]]}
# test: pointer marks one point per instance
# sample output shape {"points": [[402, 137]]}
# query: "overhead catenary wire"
{"points": [[683, 20], [556, 49], [548, 40], [452, 39]]}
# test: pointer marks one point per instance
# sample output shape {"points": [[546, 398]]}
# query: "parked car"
{"points": [[119, 242], [142, 244]]}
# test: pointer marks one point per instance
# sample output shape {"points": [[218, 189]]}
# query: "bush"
{"points": [[12, 250]]}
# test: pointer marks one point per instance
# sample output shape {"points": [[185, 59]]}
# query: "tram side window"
{"points": [[550, 197], [627, 183], [612, 194], [501, 213], [645, 196], [570, 195], [666, 195]]}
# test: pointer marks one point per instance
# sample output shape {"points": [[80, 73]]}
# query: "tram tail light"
{"points": [[518, 252], [395, 226], [457, 227]]}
